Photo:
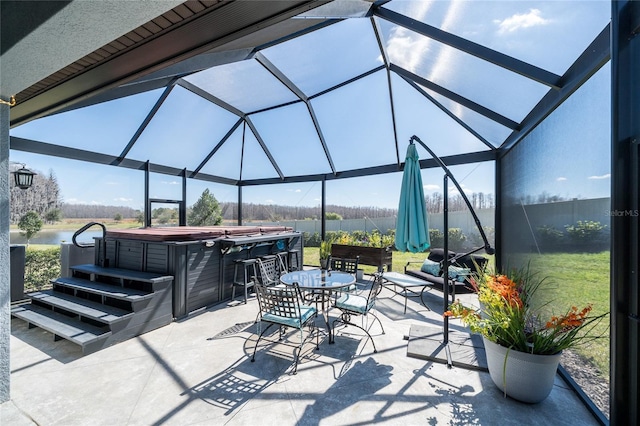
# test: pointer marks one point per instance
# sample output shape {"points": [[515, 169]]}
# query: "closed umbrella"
{"points": [[412, 229]]}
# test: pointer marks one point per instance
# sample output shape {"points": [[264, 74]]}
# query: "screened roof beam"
{"points": [[385, 59], [275, 71], [242, 115], [216, 148], [316, 124], [146, 121], [474, 157], [28, 145], [490, 114], [337, 86], [479, 51], [197, 63], [119, 92], [347, 82], [236, 111], [208, 96], [264, 147], [449, 113], [596, 55], [279, 75]]}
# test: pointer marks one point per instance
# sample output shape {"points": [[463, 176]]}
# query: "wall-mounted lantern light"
{"points": [[23, 177]]}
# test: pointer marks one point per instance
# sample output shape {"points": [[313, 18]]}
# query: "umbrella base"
{"points": [[464, 350]]}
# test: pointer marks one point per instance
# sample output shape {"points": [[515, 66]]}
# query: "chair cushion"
{"points": [[430, 267], [458, 274], [306, 312], [353, 303]]}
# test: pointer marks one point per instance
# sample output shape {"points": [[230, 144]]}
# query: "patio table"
{"points": [[320, 281]]}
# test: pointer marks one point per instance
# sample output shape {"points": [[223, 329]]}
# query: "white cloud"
{"points": [[269, 201], [112, 183], [122, 199], [411, 51], [406, 48], [521, 20], [431, 187], [607, 176], [561, 179], [171, 182]]}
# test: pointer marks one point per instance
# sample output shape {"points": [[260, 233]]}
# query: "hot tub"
{"points": [[201, 259]]}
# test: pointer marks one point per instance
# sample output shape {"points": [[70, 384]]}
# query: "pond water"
{"points": [[54, 237]]}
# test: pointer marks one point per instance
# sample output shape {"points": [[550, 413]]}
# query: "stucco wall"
{"points": [[5, 273]]}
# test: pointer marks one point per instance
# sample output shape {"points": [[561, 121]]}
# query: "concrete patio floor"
{"points": [[199, 371]]}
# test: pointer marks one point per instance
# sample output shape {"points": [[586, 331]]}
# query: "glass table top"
{"points": [[318, 279]]}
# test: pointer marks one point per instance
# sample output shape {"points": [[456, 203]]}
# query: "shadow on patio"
{"points": [[199, 371]]}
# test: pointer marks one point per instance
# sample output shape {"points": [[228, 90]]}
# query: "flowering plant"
{"points": [[512, 316]]}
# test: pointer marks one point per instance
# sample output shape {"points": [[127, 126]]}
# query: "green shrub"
{"points": [[41, 266], [456, 239], [476, 240], [311, 240], [549, 236], [585, 231], [436, 237]]}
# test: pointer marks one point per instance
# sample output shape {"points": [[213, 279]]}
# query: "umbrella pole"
{"points": [[445, 273]]}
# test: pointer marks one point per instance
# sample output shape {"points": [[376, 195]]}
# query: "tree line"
{"points": [[44, 199], [274, 213]]}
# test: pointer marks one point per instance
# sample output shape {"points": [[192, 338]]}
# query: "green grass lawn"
{"points": [[577, 279]]}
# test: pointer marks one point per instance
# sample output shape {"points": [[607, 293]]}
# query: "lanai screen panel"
{"points": [[322, 59], [245, 85], [183, 132], [556, 212], [291, 137], [356, 123], [417, 115], [548, 34], [105, 128], [480, 81]]}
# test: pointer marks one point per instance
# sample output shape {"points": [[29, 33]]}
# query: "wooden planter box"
{"points": [[375, 256]]}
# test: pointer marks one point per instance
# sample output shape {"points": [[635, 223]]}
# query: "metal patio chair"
{"points": [[282, 306], [348, 265], [351, 305]]}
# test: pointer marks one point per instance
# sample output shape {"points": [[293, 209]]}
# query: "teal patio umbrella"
{"points": [[412, 228]]}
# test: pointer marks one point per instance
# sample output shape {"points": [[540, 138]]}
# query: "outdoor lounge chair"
{"points": [[475, 263], [282, 306]]}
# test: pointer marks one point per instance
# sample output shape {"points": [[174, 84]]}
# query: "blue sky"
{"points": [[355, 119]]}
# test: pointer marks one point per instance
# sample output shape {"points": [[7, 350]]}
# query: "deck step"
{"points": [[108, 290], [126, 274], [84, 308], [60, 325]]}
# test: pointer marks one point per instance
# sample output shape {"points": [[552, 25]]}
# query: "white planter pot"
{"points": [[525, 377]]}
